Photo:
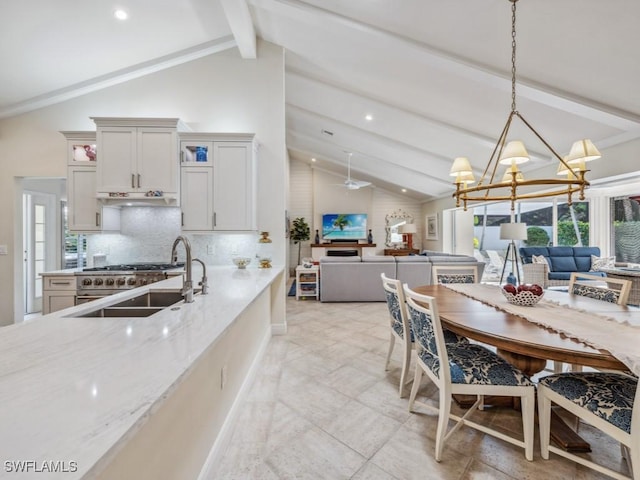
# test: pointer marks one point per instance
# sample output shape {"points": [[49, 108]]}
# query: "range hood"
{"points": [[138, 200]]}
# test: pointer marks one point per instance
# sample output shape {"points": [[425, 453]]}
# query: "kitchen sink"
{"points": [[123, 312], [154, 298], [143, 305]]}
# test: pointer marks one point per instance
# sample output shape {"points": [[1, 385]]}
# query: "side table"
{"points": [[307, 282], [400, 252]]}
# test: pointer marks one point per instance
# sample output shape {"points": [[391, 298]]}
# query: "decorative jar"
{"points": [[265, 252]]}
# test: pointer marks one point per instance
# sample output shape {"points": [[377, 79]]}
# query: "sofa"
{"points": [[357, 279], [560, 263]]}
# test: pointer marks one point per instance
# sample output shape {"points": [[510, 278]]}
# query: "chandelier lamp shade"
{"points": [[511, 184]]}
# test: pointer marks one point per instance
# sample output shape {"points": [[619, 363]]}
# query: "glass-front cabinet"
{"points": [[195, 152], [81, 149]]}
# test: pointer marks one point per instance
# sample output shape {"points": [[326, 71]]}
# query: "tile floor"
{"points": [[322, 407]]}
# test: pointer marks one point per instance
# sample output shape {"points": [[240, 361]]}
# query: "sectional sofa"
{"points": [[560, 263], [357, 279]]}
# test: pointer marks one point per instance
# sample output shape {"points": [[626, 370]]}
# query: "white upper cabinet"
{"points": [[218, 182], [138, 158], [85, 214], [234, 186]]}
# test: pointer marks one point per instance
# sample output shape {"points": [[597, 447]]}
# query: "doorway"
{"points": [[39, 244]]}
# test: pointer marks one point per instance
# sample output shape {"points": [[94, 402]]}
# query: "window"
{"points": [[573, 224], [625, 234], [75, 245], [549, 222]]}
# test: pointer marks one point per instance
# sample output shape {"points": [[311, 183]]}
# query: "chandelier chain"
{"points": [[513, 186], [513, 55]]}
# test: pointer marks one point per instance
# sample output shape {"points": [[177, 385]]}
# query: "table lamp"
{"points": [[513, 232], [407, 230]]}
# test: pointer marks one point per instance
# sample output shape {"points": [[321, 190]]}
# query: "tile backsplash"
{"points": [[147, 234]]}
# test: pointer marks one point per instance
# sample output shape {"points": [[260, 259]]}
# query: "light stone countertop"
{"points": [[58, 273], [76, 389]]}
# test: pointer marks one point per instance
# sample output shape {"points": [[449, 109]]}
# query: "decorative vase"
{"points": [[264, 250], [370, 237], [317, 239]]}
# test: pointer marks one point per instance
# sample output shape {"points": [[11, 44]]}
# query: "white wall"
{"points": [[218, 93], [314, 192]]}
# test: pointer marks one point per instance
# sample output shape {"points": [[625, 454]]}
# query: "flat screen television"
{"points": [[344, 226]]}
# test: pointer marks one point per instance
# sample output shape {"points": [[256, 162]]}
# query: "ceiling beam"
{"points": [[239, 19], [120, 76], [587, 108]]}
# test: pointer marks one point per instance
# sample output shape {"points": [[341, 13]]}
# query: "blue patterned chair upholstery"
{"points": [[454, 274], [471, 369], [400, 326], [608, 401], [614, 290], [597, 293]]}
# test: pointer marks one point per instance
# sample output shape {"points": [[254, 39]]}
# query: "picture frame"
{"points": [[432, 227]]}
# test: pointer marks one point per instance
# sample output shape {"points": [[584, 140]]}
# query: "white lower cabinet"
{"points": [[58, 292]]}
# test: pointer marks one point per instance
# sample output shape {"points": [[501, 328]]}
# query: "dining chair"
{"points": [[399, 323], [400, 326], [454, 274], [608, 401], [613, 290], [466, 369]]}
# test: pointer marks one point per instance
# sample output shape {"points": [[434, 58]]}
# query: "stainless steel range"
{"points": [[98, 282]]}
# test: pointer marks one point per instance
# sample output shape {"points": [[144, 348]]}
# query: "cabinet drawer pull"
{"points": [[97, 219], [138, 180], [182, 218], [58, 282], [214, 219], [133, 179]]}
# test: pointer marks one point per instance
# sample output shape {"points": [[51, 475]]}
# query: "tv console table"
{"points": [[321, 249]]}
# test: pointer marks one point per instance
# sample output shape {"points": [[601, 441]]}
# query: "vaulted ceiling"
{"points": [[433, 75]]}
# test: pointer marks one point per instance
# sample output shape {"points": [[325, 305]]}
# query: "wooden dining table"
{"points": [[524, 344]]}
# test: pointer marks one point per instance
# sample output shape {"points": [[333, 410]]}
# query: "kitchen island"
{"points": [[152, 397]]}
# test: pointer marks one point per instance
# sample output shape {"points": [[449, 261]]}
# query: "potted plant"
{"points": [[300, 232]]}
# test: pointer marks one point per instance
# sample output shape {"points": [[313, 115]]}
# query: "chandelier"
{"points": [[493, 186]]}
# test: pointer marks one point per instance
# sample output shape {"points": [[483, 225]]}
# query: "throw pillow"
{"points": [[540, 259], [598, 263]]}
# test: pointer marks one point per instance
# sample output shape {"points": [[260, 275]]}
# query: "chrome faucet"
{"points": [[187, 283], [203, 282]]}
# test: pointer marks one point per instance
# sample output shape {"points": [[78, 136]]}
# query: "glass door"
{"points": [[39, 245]]}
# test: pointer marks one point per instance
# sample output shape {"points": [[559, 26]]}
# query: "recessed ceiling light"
{"points": [[120, 14], [368, 117], [313, 159], [404, 190]]}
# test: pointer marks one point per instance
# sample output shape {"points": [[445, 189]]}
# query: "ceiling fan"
{"points": [[349, 183]]}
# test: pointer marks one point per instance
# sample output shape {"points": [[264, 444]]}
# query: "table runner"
{"points": [[615, 331]]}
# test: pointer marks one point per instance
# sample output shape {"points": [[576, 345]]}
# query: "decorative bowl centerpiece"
{"points": [[523, 295], [241, 262]]}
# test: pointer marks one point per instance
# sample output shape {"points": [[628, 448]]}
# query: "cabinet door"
{"points": [[57, 301], [234, 186], [157, 162], [116, 167], [83, 209], [196, 198]]}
